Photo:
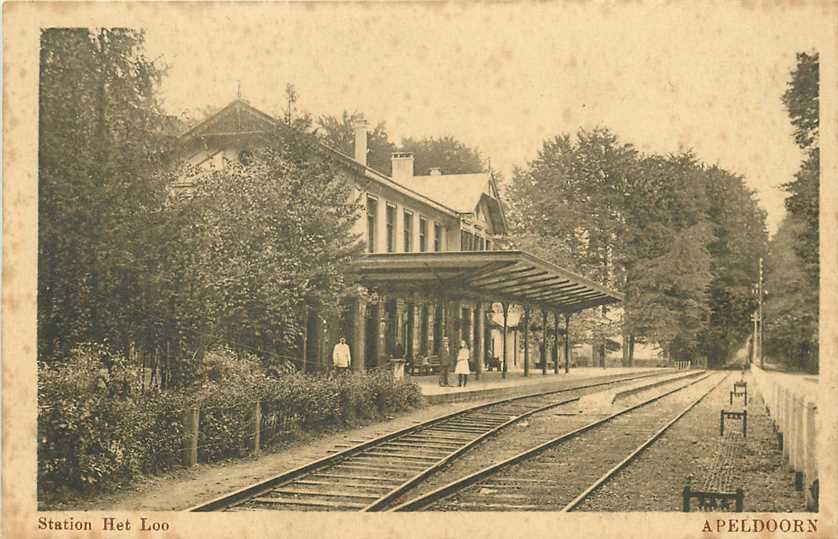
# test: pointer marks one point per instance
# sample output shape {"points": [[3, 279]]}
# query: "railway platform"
{"points": [[492, 385]]}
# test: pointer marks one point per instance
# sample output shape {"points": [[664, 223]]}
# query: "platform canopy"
{"points": [[494, 276]]}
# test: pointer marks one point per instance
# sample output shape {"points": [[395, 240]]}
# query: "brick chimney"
{"points": [[402, 165], [360, 126], [435, 171]]}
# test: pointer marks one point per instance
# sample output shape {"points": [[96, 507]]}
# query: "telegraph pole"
{"points": [[761, 320]]}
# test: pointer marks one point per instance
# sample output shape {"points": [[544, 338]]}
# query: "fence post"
{"points": [[811, 469], [722, 423], [788, 436], [191, 419], [777, 405], [740, 500], [800, 446], [257, 427]]}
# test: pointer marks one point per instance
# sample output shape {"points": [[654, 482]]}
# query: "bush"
{"points": [[96, 429], [230, 385], [392, 395]]}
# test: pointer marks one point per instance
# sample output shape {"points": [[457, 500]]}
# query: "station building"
{"points": [[435, 264]]}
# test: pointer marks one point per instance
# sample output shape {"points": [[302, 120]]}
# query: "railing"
{"points": [[793, 410]]}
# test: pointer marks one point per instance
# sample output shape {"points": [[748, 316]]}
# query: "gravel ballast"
{"points": [[655, 480]]}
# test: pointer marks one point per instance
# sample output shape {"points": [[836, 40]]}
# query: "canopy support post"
{"points": [[544, 341], [505, 313], [526, 340], [556, 342], [479, 334], [567, 343]]}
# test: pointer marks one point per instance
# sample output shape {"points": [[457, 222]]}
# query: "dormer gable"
{"points": [[236, 119]]}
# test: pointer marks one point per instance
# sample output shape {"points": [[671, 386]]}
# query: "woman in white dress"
{"points": [[462, 370]]}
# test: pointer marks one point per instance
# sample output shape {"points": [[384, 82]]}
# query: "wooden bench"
{"points": [[424, 365]]}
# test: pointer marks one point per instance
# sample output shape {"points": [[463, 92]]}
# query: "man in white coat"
{"points": [[341, 356]]}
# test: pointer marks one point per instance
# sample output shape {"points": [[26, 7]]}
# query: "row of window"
{"points": [[468, 241], [390, 230], [473, 242]]}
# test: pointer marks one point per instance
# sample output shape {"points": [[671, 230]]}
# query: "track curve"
{"points": [[542, 479], [370, 475]]}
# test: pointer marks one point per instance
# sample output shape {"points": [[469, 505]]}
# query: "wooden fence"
{"points": [[793, 407]]}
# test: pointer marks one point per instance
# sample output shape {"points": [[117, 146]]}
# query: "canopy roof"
{"points": [[497, 276]]}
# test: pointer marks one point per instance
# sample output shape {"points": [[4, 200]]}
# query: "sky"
{"points": [[503, 77]]}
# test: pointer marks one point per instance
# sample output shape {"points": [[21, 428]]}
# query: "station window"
{"points": [[372, 218], [408, 231], [437, 237], [468, 241], [391, 229], [423, 234]]}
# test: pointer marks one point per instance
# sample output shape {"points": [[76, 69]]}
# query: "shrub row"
{"points": [[97, 429]]}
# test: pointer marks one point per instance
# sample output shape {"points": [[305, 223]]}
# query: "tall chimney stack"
{"points": [[402, 165], [360, 126]]}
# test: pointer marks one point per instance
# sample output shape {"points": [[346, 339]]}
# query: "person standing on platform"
{"points": [[398, 354], [444, 363], [341, 356], [462, 370]]}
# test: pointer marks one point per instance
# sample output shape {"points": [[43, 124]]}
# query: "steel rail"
{"points": [[607, 476], [388, 498], [239, 496], [410, 483], [459, 485]]}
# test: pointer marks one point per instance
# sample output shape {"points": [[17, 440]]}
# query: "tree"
{"points": [[680, 239], [791, 307], [446, 153], [793, 265], [339, 133], [101, 139], [571, 194], [802, 102], [259, 241], [566, 206], [802, 99], [738, 224], [667, 263]]}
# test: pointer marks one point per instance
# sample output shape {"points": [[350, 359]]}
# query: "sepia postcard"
{"points": [[419, 269]]}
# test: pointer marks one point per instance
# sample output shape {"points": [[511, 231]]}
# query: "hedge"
{"points": [[98, 430]]}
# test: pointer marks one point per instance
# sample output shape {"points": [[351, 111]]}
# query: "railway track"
{"points": [[558, 475], [370, 475]]}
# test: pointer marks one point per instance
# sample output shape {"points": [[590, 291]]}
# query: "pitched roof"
{"points": [[237, 117], [460, 192], [241, 118]]}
